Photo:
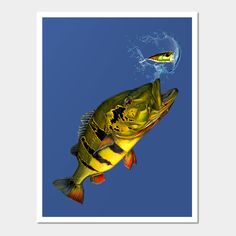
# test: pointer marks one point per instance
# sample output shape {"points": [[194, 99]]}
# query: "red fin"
{"points": [[130, 159], [97, 179], [77, 194], [70, 189]]}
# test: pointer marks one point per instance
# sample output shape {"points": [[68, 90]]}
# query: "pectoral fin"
{"points": [[97, 179], [130, 159], [106, 142]]}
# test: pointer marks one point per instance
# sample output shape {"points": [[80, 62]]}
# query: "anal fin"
{"points": [[97, 179], [130, 159]]}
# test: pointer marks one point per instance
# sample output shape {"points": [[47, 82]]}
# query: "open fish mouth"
{"points": [[163, 98], [169, 95]]}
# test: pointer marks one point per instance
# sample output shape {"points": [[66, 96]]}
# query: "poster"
{"points": [[85, 59]]}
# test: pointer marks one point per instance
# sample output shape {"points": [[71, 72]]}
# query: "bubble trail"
{"points": [[162, 62]]}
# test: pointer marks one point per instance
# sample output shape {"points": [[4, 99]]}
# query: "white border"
{"points": [[194, 218]]}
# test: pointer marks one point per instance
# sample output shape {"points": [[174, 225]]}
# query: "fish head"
{"points": [[137, 111]]}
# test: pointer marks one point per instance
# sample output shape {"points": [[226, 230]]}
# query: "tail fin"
{"points": [[70, 189]]}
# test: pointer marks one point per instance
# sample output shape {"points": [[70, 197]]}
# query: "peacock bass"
{"points": [[109, 134]]}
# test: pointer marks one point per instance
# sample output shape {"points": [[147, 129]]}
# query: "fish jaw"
{"points": [[156, 93], [169, 97], [163, 101]]}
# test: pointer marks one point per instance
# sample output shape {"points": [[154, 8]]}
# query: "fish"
{"points": [[108, 134], [164, 57]]}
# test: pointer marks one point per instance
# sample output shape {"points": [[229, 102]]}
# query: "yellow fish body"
{"points": [[108, 134]]}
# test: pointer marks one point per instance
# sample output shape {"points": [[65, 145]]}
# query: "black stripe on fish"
{"points": [[92, 152], [99, 132], [87, 165], [101, 159], [101, 135], [118, 113], [115, 148]]}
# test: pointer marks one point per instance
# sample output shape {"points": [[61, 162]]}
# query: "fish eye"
{"points": [[128, 100]]}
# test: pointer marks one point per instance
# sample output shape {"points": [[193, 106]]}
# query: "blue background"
{"points": [[85, 61]]}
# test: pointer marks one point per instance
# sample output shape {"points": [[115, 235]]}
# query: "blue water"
{"points": [[86, 61]]}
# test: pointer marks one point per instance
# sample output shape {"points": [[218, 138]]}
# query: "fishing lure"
{"points": [[108, 134], [164, 57]]}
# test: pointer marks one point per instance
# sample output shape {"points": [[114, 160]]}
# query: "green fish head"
{"points": [[136, 111]]}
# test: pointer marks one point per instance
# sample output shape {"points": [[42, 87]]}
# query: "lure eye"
{"points": [[128, 100]]}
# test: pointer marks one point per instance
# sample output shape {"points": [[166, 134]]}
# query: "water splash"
{"points": [[145, 46]]}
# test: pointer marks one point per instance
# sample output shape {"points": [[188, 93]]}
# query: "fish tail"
{"points": [[70, 189]]}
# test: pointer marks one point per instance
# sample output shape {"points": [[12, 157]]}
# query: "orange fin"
{"points": [[130, 159], [70, 189], [77, 194], [106, 142], [98, 179]]}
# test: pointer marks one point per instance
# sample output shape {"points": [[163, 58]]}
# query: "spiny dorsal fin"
{"points": [[85, 119]]}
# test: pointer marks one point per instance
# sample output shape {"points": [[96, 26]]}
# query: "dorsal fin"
{"points": [[85, 119]]}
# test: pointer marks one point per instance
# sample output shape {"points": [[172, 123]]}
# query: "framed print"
{"points": [[117, 109]]}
